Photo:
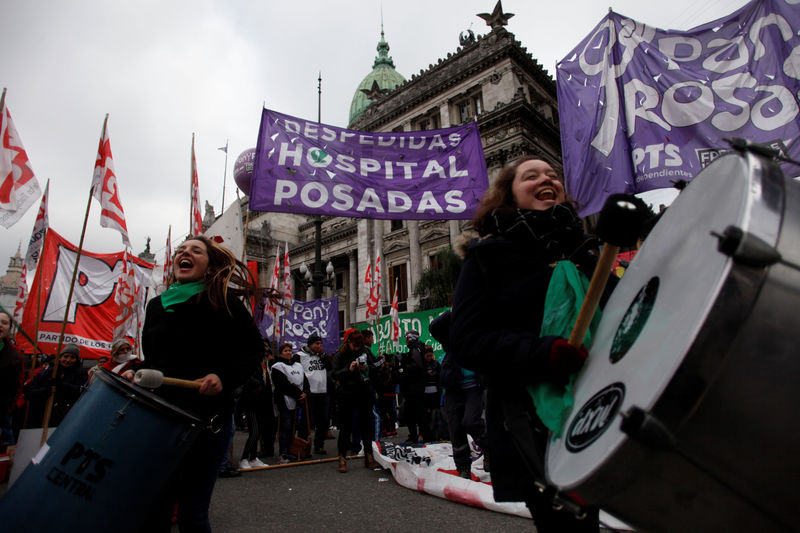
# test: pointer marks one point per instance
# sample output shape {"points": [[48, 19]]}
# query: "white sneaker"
{"points": [[257, 463], [244, 464]]}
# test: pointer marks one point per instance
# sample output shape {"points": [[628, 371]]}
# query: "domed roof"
{"points": [[383, 78]]}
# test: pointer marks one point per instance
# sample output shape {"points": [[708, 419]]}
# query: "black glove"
{"points": [[565, 360]]}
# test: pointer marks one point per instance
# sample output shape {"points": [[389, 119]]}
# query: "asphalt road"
{"points": [[317, 498]]}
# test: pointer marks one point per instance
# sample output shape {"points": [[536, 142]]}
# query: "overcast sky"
{"points": [[165, 70]]}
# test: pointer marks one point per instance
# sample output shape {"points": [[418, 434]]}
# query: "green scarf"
{"points": [[2, 344], [180, 292]]}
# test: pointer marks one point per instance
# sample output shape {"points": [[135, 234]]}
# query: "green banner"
{"points": [[408, 321]]}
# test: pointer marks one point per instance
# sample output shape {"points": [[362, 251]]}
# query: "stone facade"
{"points": [[9, 282], [491, 79]]}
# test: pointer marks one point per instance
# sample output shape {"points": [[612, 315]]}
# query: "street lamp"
{"points": [[317, 278]]}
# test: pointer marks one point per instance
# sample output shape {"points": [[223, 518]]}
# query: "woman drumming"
{"points": [[198, 329], [525, 226]]}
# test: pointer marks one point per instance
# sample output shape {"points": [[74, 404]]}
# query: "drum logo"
{"points": [[594, 417], [79, 471], [632, 324]]}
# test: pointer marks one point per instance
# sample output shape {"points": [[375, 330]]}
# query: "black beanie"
{"points": [[312, 339]]}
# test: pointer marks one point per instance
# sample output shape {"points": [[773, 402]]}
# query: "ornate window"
{"points": [[397, 274], [468, 106]]}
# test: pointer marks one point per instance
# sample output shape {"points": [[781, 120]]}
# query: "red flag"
{"points": [[168, 256], [93, 308], [19, 188], [22, 293], [105, 188], [287, 278], [368, 286], [375, 295], [126, 323], [395, 314], [34, 251], [195, 218]]}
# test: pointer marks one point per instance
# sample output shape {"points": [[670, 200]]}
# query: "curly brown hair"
{"points": [[499, 193]]}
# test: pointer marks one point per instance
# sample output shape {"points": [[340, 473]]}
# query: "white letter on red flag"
{"points": [[105, 188], [195, 218], [19, 188]]}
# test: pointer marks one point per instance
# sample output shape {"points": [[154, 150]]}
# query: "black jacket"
{"points": [[411, 369], [193, 340], [354, 382], [69, 383], [497, 313]]}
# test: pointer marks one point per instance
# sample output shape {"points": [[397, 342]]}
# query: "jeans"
{"points": [[358, 407], [463, 409], [286, 417]]}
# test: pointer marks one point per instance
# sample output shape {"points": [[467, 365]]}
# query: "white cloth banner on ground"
{"points": [[430, 469]]}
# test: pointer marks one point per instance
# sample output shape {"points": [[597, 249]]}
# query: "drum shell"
{"points": [[732, 408], [104, 466]]}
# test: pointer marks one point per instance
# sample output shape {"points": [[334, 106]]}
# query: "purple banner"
{"points": [[302, 319], [316, 169], [642, 107]]}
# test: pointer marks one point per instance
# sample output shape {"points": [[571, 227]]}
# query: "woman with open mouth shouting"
{"points": [[199, 329]]}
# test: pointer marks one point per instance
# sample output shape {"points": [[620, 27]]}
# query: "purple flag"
{"points": [[307, 167], [642, 107], [302, 319]]}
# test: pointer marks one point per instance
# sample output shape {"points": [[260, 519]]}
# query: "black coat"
{"points": [[411, 369], [353, 382], [497, 313], [194, 340], [69, 384]]}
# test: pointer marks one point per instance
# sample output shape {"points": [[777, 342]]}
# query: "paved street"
{"points": [[316, 497]]}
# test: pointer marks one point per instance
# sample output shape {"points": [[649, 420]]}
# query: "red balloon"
{"points": [[243, 169]]}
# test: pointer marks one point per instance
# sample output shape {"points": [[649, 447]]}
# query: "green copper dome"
{"points": [[383, 78]]}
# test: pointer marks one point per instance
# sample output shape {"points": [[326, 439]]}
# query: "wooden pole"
{"points": [[49, 405], [593, 294]]}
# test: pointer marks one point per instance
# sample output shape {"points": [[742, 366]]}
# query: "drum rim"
{"points": [[695, 356], [150, 399]]}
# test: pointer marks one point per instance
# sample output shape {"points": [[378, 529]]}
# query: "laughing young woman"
{"points": [[199, 329], [525, 226]]}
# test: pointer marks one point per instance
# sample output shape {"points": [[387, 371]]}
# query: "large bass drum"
{"points": [[687, 414]]}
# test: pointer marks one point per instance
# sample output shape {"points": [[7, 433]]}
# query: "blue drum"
{"points": [[104, 466]]}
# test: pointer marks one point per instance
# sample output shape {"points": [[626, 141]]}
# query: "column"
{"points": [[414, 257], [452, 226]]}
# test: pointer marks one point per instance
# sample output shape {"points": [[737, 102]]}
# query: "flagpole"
{"points": [[246, 224], [49, 405], [224, 174], [191, 189]]}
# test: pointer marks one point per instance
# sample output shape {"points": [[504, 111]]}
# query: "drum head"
{"points": [[145, 397], [656, 312]]}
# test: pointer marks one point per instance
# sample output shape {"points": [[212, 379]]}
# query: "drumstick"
{"points": [[152, 379], [619, 224]]}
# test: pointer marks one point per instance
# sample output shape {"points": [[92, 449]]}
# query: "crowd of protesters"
{"points": [[364, 396]]}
